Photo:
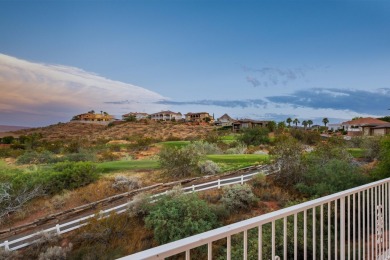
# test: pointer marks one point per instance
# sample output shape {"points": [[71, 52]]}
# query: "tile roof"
{"points": [[365, 121]]}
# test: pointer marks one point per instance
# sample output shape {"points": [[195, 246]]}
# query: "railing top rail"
{"points": [[222, 232]]}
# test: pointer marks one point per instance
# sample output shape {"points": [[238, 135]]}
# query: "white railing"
{"points": [[352, 224], [58, 229]]}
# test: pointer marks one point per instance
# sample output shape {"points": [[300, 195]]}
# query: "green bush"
{"points": [[383, 169], [331, 177], [33, 157], [179, 216], [254, 136], [68, 176]]}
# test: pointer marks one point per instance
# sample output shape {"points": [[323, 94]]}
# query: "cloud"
{"points": [[359, 101], [220, 103], [275, 76], [36, 94]]}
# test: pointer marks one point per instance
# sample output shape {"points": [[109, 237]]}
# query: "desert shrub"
{"points": [[203, 148], [208, 167], [306, 137], [58, 201], [8, 255], [55, 253], [356, 142], [139, 206], [102, 238], [254, 136], [288, 157], [240, 148], [382, 170], [212, 137], [115, 148], [8, 152], [372, 147], [238, 197], [83, 156], [108, 156], [126, 183], [7, 139], [52, 146], [176, 217], [68, 175], [36, 158], [172, 138], [178, 162], [336, 175]]}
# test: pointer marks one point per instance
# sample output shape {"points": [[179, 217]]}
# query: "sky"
{"points": [[251, 59]]}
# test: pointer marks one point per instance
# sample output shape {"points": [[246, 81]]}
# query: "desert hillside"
{"points": [[157, 130]]}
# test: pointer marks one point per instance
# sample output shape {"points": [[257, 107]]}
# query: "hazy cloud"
{"points": [[35, 94], [274, 76], [221, 103], [360, 101]]}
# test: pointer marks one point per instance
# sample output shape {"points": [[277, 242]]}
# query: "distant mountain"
{"points": [[9, 128]]}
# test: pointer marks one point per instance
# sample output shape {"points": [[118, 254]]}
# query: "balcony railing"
{"points": [[352, 224]]}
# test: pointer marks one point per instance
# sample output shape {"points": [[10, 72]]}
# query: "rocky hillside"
{"points": [[157, 130]]}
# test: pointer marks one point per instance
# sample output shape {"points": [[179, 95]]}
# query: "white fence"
{"points": [[58, 229], [352, 224]]}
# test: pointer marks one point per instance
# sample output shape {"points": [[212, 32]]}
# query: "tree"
{"points": [[304, 123], [296, 122], [254, 136], [309, 122], [178, 216], [178, 162], [271, 126], [289, 120], [325, 120], [131, 118], [288, 156], [281, 125]]}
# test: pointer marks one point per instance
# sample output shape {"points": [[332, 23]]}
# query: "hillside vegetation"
{"points": [[93, 132]]}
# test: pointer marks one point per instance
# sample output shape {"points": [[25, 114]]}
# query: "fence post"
{"points": [[219, 183], [242, 179], [6, 245], [58, 229], [342, 228], [193, 187]]}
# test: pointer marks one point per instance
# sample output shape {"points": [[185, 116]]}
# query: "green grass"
{"points": [[178, 144], [356, 152], [127, 165], [229, 162], [229, 138]]}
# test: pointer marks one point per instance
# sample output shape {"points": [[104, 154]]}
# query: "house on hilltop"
{"points": [[248, 123], [198, 117], [91, 116], [224, 120], [166, 116], [365, 126], [136, 115]]}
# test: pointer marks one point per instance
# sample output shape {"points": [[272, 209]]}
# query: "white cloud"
{"points": [[51, 93]]}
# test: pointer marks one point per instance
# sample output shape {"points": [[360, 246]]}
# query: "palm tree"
{"points": [[289, 120], [304, 123], [325, 121], [296, 122], [309, 122]]}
